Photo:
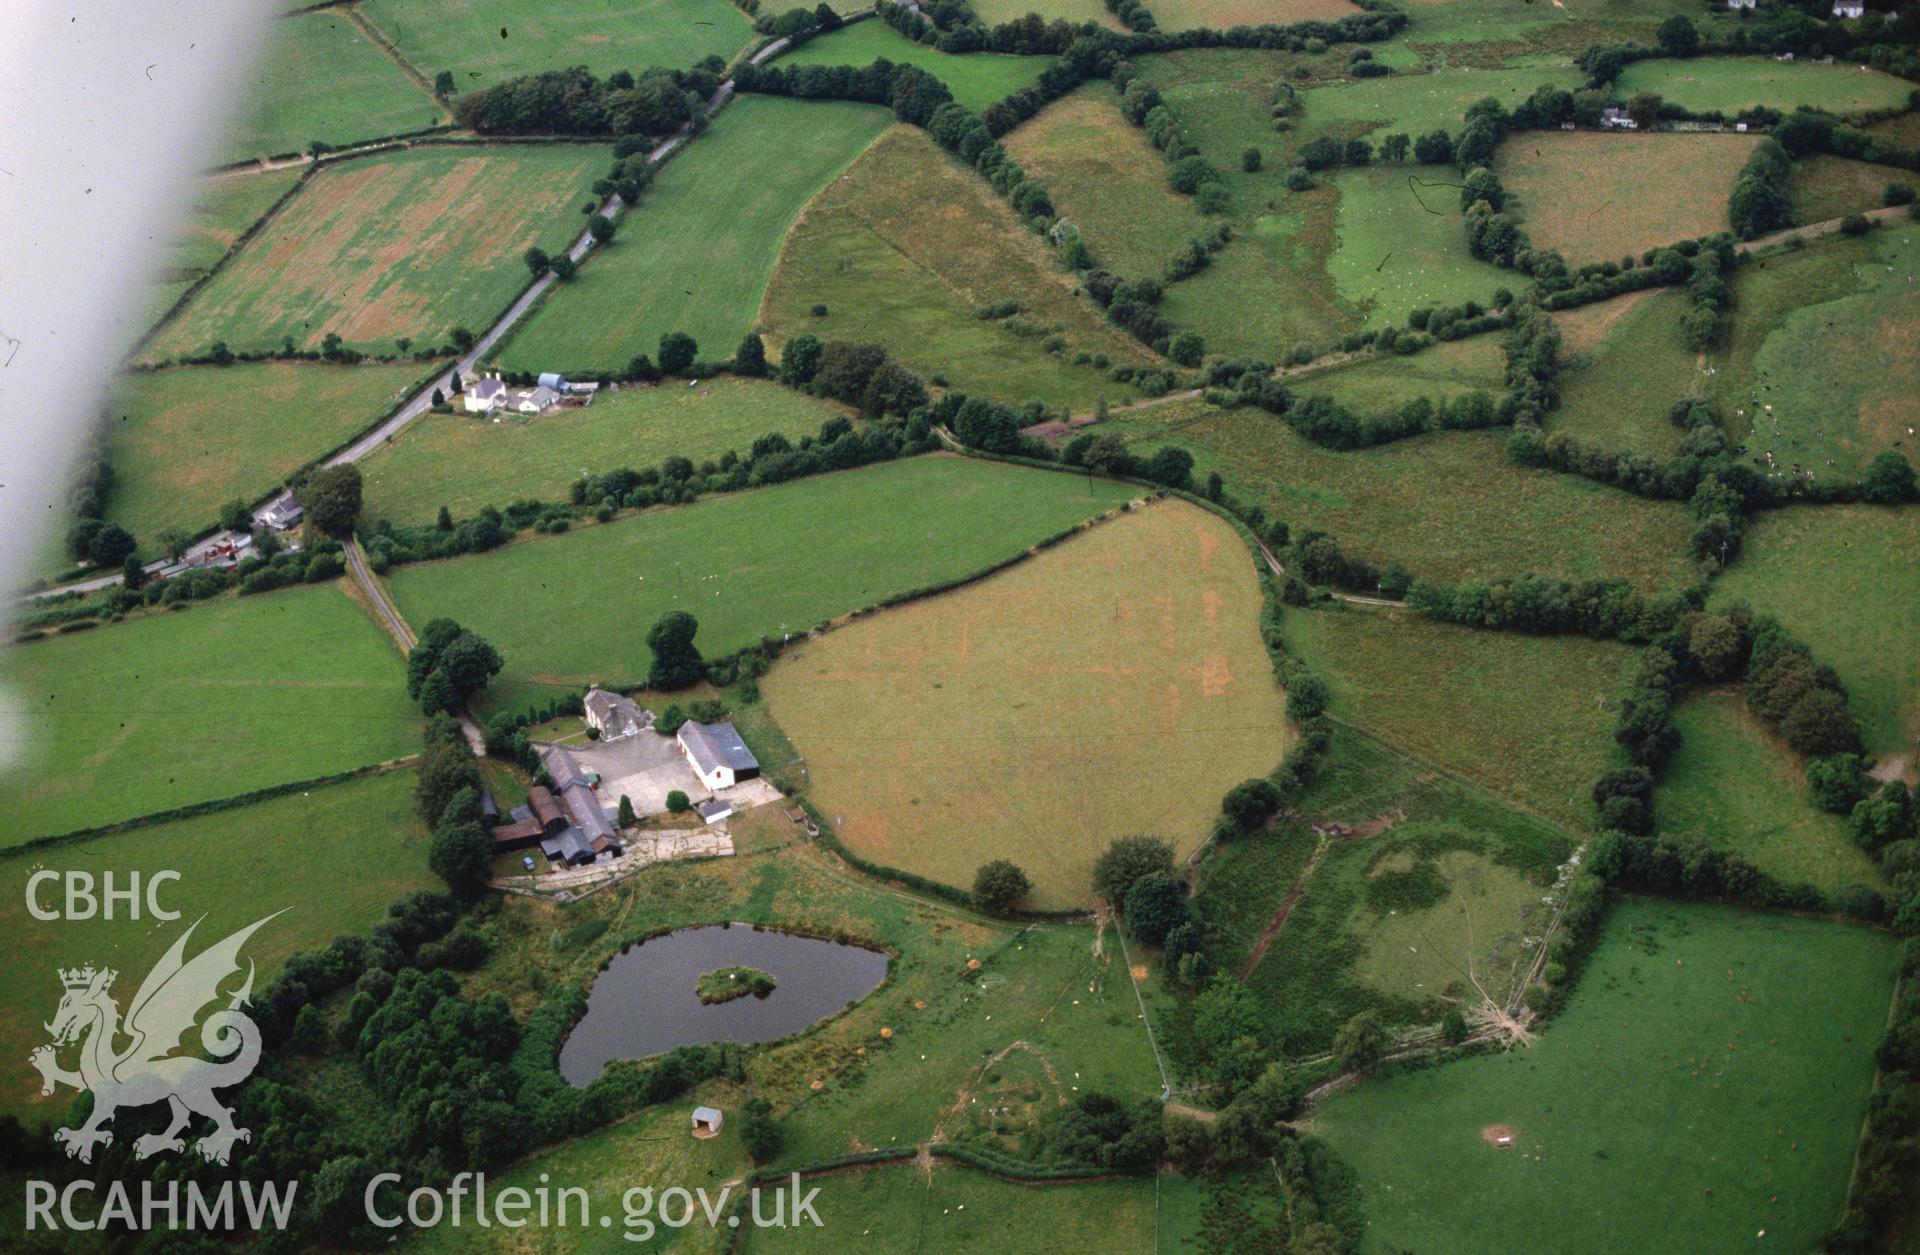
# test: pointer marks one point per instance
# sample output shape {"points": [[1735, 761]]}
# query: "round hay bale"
{"points": [[973, 965], [818, 1085], [886, 1034]]}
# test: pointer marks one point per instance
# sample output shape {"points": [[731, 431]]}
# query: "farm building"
{"points": [[1742, 4], [713, 810], [718, 755], [283, 513], [706, 1121], [1849, 8], [491, 394], [614, 715], [566, 820], [533, 400], [1613, 117]]}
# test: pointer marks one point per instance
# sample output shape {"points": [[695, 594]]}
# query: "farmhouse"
{"points": [[717, 754], [567, 820], [486, 395], [491, 394], [283, 513], [614, 715], [1618, 118], [1849, 8], [1742, 4]]}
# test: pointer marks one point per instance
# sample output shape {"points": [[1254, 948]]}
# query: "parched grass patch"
{"points": [[1527, 718], [1107, 180], [333, 859], [229, 696], [222, 209], [1825, 186], [465, 463], [1417, 103], [1424, 887], [406, 243], [1179, 15], [906, 247], [1448, 506], [1731, 84], [1842, 579], [976, 79], [1118, 679], [1712, 1065], [1739, 786], [1595, 196], [1376, 384], [1401, 245], [695, 255], [320, 78], [187, 440], [604, 35], [749, 564], [903, 1208]]}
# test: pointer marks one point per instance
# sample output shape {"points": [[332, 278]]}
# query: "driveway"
{"points": [[644, 767]]}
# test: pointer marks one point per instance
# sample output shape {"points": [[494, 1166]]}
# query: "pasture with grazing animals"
{"points": [[187, 440], [747, 564], [1071, 703], [464, 463], [1399, 246], [676, 264], [131, 719], [1712, 1066], [907, 248], [1731, 84], [330, 261]]}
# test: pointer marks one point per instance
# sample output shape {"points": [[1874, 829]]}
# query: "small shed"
{"points": [[713, 810], [706, 1122]]}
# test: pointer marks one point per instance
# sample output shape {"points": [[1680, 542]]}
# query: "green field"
{"points": [[223, 208], [229, 696], [976, 79], [185, 441], [1825, 186], [604, 35], [320, 78], [1374, 384], [1448, 506], [1625, 364], [1712, 1068], [894, 1209], [1527, 718], [336, 857], [746, 564], [460, 217], [1417, 103], [1841, 579], [1106, 179], [1442, 889], [1179, 15], [1399, 247], [1483, 33], [1595, 196], [906, 247], [1083, 682], [1737, 785], [465, 463], [995, 12], [680, 262], [1730, 84]]}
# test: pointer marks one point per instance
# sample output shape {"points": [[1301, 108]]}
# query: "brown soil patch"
{"points": [[1493, 1133], [1139, 971], [1362, 831]]}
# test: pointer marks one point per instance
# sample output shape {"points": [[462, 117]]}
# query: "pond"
{"points": [[645, 1002]]}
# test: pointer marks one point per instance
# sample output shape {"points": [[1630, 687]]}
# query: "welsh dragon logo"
{"points": [[163, 1011]]}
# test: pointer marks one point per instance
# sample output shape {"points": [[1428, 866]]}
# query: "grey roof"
{"points": [[569, 846], [484, 388], [586, 810], [552, 379], [489, 808], [714, 808], [712, 745], [707, 1115], [283, 513], [540, 397], [562, 767], [612, 709]]}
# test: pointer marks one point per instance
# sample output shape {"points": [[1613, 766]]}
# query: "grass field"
{"points": [[1418, 103], [1712, 1067], [996, 12], [604, 35], [894, 1210], [695, 255], [1375, 384], [1731, 84], [222, 209], [1738, 785], [463, 463], [320, 78], [1106, 179], [1625, 364], [746, 564], [1083, 683], [1484, 33], [976, 79], [330, 260], [226, 697], [1600, 197], [1841, 578], [1400, 246], [1448, 506], [1361, 934], [906, 247], [339, 855], [1179, 15], [1825, 186], [1527, 718], [186, 441]]}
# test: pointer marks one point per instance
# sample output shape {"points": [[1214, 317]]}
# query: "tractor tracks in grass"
{"points": [[1287, 904]]}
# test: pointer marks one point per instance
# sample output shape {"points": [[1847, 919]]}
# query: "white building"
{"points": [[613, 715], [1849, 8], [717, 754], [484, 396], [1618, 119], [532, 400], [1742, 4]]}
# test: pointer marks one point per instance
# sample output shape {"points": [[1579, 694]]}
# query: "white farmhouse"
{"points": [[1849, 8], [1742, 4], [484, 396]]}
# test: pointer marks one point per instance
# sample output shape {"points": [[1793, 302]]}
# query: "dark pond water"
{"points": [[644, 1002]]}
